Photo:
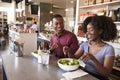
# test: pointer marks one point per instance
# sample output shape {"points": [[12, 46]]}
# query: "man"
{"points": [[35, 27], [62, 38]]}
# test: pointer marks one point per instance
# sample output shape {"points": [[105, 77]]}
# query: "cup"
{"points": [[39, 58], [43, 58]]}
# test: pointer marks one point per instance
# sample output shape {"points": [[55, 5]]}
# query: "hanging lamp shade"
{"points": [[51, 11]]}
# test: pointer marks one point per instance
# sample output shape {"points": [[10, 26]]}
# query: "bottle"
{"points": [[39, 51], [112, 15]]}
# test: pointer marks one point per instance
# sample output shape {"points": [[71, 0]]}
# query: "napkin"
{"points": [[74, 74]]}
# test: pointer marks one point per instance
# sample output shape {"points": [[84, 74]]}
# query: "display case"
{"points": [[110, 8], [85, 8], [29, 41], [3, 20]]}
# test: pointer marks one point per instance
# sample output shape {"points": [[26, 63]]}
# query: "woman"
{"points": [[26, 28], [96, 53]]}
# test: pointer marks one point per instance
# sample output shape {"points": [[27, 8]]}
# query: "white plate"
{"points": [[67, 67]]}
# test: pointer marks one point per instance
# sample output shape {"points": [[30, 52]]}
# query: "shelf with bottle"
{"points": [[117, 23], [108, 8], [3, 20], [100, 4]]}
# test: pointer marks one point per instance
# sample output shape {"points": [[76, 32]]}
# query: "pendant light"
{"points": [[51, 11]]}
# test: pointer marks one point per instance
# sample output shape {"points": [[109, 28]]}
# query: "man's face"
{"points": [[58, 25]]}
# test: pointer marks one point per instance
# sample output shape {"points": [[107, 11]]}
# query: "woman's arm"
{"points": [[68, 52], [104, 68], [78, 53]]}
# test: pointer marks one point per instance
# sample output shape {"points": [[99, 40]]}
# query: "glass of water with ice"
{"points": [[45, 58]]}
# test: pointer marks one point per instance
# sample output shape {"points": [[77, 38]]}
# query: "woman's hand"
{"points": [[88, 57]]}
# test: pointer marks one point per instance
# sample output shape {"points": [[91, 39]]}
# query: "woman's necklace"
{"points": [[94, 48], [97, 44]]}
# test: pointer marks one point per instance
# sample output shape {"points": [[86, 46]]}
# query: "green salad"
{"points": [[69, 61]]}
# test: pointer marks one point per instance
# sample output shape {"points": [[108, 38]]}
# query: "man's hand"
{"points": [[55, 45], [66, 50]]}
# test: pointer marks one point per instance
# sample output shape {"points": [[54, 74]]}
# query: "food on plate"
{"points": [[69, 61], [39, 51], [68, 64]]}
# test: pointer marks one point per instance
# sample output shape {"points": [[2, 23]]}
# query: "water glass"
{"points": [[43, 58]]}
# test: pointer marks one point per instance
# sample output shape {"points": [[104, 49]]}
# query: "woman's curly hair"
{"points": [[102, 22]]}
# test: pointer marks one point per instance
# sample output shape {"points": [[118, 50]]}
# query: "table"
{"points": [[27, 68]]}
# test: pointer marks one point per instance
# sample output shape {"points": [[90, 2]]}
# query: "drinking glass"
{"points": [[45, 58]]}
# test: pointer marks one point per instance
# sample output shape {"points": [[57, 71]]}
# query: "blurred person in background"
{"points": [[35, 27], [26, 28]]}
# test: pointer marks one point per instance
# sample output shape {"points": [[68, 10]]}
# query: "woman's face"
{"points": [[58, 25], [93, 34]]}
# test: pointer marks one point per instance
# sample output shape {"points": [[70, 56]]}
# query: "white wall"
{"points": [[10, 9]]}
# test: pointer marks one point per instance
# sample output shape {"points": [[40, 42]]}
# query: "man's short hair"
{"points": [[57, 16]]}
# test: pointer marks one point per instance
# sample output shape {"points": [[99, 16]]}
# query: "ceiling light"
{"points": [[72, 1], [66, 9], [51, 12], [29, 0]]}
